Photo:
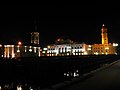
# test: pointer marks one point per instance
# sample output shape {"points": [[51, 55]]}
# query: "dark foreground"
{"points": [[106, 79], [43, 72]]}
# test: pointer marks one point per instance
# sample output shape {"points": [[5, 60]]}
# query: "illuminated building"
{"points": [[79, 49], [20, 50], [104, 48], [64, 48], [104, 34], [35, 38], [59, 50], [14, 51]]}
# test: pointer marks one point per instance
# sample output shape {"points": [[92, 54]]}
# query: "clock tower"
{"points": [[104, 34]]}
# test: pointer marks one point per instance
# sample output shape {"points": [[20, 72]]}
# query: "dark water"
{"points": [[38, 73]]}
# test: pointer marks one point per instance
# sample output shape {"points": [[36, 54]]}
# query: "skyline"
{"points": [[78, 22]]}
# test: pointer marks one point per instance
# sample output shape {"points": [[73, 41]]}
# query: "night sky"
{"points": [[78, 22]]}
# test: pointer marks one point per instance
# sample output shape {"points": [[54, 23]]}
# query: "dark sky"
{"points": [[78, 22]]}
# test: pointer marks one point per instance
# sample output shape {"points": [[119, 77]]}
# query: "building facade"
{"points": [[104, 48], [16, 51], [66, 49]]}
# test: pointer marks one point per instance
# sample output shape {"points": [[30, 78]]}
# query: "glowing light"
{"points": [[96, 53], [30, 50], [18, 50], [67, 53], [48, 46], [35, 49], [43, 51], [89, 46], [19, 43], [115, 44], [103, 25], [85, 53], [107, 48], [44, 48], [58, 39], [106, 53], [19, 87], [89, 49]]}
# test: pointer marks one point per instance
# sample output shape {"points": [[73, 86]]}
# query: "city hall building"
{"points": [[71, 48]]}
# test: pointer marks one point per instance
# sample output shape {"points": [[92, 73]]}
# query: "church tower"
{"points": [[35, 38], [35, 34], [104, 34]]}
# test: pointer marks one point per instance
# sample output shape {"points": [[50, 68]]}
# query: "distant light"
{"points": [[58, 39], [44, 48], [19, 87], [106, 53], [43, 51], [89, 49], [107, 48], [115, 44], [19, 43], [85, 53], [103, 25], [48, 46], [89, 46], [30, 50], [18, 50]]}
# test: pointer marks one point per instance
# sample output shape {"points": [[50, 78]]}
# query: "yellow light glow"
{"points": [[48, 46], [107, 48], [43, 51], [89, 49], [89, 46]]}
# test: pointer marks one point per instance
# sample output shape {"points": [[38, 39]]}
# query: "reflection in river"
{"points": [[13, 86], [74, 73]]}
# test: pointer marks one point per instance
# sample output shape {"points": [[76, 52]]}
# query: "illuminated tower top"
{"points": [[35, 37], [104, 34]]}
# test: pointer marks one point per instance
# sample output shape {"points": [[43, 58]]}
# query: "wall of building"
{"points": [[15, 51]]}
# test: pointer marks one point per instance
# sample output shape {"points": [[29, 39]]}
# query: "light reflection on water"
{"points": [[28, 86], [74, 73], [18, 87]]}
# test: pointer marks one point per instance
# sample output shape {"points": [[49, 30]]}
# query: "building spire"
{"points": [[35, 23]]}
